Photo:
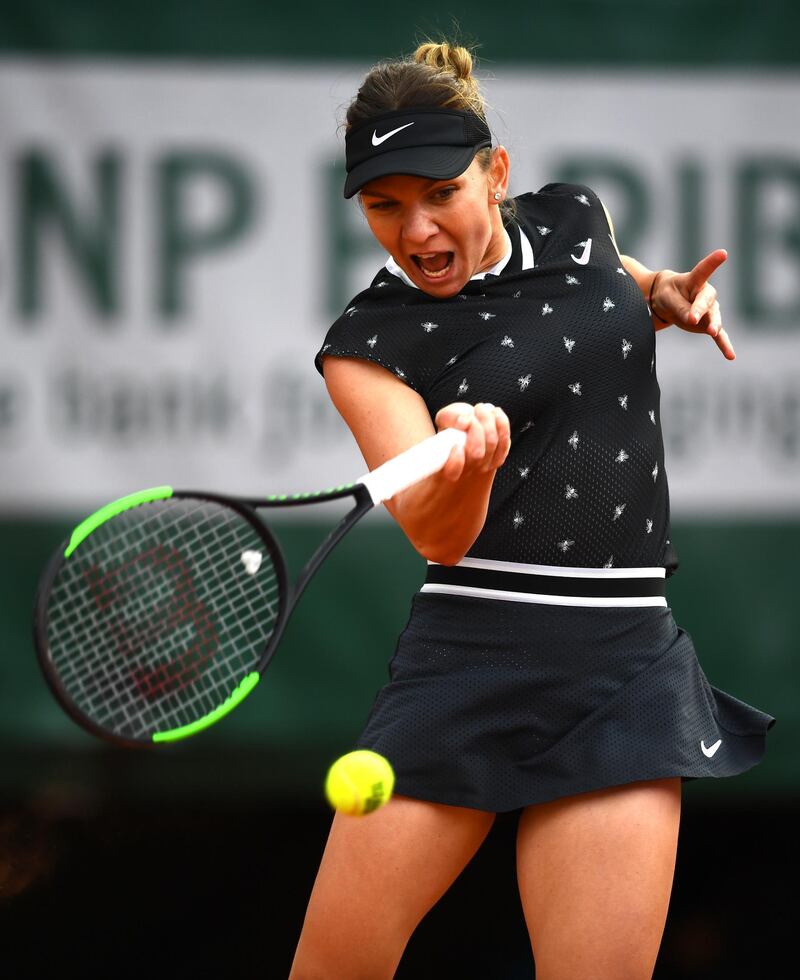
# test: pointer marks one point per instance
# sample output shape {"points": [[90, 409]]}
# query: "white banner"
{"points": [[173, 246]]}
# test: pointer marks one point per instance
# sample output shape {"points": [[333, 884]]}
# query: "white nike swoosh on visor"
{"points": [[377, 140], [708, 752], [587, 251]]}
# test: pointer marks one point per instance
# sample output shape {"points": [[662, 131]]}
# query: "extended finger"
{"points": [[719, 334], [711, 323], [725, 345], [705, 268]]}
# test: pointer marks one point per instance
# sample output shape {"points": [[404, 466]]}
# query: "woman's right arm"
{"points": [[443, 514]]}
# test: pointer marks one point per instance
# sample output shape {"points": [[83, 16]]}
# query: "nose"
{"points": [[418, 225]]}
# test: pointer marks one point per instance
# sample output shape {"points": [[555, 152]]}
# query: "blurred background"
{"points": [[173, 246]]}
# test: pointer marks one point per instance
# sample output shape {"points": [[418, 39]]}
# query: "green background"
{"points": [[638, 33]]}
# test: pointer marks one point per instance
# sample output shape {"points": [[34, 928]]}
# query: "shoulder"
{"points": [[555, 196], [560, 209], [389, 325]]}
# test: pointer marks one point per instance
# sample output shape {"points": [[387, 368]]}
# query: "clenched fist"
{"points": [[488, 438]]}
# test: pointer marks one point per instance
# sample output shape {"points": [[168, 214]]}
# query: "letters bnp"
{"points": [[86, 225]]}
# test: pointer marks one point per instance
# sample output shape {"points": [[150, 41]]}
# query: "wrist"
{"points": [[650, 298]]}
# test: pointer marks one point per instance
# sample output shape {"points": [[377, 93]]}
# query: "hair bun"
{"points": [[445, 57], [437, 74]]}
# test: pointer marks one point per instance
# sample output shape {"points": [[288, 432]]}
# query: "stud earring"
{"points": [[497, 195]]}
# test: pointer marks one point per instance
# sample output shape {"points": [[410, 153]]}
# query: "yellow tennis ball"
{"points": [[359, 782]]}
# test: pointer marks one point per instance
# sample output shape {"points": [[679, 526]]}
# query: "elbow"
{"points": [[439, 550], [442, 545], [419, 538], [440, 555]]}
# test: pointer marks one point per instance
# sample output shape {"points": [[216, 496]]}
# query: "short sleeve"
{"points": [[385, 325], [370, 342], [577, 192]]}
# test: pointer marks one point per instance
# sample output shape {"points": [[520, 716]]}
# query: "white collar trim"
{"points": [[527, 250], [496, 269]]}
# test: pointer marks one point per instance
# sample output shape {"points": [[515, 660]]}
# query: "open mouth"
{"points": [[434, 265]]}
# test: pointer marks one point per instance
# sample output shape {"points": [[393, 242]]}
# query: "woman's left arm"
{"points": [[686, 299]]}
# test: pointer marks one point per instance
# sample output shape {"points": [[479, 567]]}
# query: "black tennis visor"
{"points": [[434, 143]]}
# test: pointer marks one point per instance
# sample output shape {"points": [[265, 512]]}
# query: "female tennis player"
{"points": [[541, 669]]}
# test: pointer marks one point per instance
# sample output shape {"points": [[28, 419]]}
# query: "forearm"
{"points": [[441, 517], [643, 277]]}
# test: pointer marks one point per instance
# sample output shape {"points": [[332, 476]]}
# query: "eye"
{"points": [[380, 206], [445, 193]]}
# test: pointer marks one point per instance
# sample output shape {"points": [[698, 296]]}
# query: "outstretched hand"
{"points": [[688, 300]]}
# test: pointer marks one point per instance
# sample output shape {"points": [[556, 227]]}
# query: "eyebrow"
{"points": [[430, 181]]}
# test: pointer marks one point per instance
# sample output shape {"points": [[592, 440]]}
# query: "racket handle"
{"points": [[422, 460]]}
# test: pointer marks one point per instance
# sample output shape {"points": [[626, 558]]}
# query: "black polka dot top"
{"points": [[561, 340]]}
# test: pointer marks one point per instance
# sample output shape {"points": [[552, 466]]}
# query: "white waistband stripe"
{"points": [[560, 571], [553, 600]]}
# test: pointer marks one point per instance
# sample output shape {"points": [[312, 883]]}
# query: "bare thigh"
{"points": [[595, 875], [378, 877]]}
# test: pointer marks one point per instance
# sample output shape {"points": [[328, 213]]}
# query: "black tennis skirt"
{"points": [[498, 704]]}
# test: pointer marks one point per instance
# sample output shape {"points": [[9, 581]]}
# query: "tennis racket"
{"points": [[162, 611]]}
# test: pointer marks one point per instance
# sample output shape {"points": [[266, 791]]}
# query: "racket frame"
{"points": [[289, 593], [372, 488]]}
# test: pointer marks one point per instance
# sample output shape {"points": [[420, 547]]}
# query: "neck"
{"points": [[498, 243]]}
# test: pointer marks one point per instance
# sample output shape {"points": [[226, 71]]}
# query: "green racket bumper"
{"points": [[237, 696], [93, 521]]}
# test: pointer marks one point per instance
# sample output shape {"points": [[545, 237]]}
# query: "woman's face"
{"points": [[440, 232]]}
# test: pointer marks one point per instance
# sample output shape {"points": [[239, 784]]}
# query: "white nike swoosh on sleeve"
{"points": [[587, 251]]}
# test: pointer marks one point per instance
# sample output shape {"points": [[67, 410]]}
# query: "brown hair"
{"points": [[437, 74]]}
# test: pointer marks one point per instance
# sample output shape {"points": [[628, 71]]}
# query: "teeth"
{"points": [[421, 257], [436, 275]]}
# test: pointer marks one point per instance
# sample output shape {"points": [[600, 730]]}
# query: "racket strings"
{"points": [[160, 613]]}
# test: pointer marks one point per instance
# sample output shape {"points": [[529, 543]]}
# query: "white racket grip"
{"points": [[422, 460]]}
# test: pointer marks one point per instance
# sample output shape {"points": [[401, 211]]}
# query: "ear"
{"points": [[499, 173]]}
